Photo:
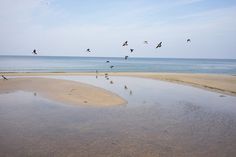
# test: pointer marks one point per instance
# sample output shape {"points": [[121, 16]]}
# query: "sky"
{"points": [[69, 27]]}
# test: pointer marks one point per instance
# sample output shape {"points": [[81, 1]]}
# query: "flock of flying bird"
{"points": [[159, 45]]}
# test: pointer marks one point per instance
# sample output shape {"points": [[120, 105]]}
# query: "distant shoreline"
{"points": [[222, 83]]}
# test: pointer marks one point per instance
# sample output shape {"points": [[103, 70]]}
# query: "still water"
{"points": [[160, 119]]}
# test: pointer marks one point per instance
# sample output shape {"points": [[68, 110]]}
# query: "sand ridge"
{"points": [[221, 83], [64, 91]]}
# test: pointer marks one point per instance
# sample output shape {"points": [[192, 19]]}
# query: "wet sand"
{"points": [[159, 119], [225, 84], [63, 91]]}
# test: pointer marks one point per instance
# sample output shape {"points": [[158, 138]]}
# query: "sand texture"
{"points": [[62, 91]]}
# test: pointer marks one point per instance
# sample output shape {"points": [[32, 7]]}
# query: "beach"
{"points": [[222, 83], [117, 78]]}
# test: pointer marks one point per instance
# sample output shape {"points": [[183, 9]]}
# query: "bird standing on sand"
{"points": [[111, 82], [145, 42], [159, 45], [96, 74], [125, 87], [88, 50], [188, 40], [34, 52], [125, 43], [126, 57], [4, 77], [111, 66], [131, 50], [106, 75]]}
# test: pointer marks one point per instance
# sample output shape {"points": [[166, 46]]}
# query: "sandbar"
{"points": [[68, 92], [222, 83]]}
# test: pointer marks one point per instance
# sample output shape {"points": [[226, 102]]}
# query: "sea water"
{"points": [[91, 64]]}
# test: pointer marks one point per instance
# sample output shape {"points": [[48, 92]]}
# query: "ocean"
{"points": [[91, 64]]}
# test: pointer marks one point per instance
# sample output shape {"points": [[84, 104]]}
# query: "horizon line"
{"points": [[113, 57]]}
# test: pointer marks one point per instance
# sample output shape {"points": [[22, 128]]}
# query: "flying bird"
{"points": [[145, 42], [131, 50], [4, 77], [111, 82], [188, 40], [111, 66], [88, 50], [125, 43], [34, 52], [107, 61], [159, 45], [126, 57]]}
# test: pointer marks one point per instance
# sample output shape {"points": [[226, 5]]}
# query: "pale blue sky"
{"points": [[69, 27]]}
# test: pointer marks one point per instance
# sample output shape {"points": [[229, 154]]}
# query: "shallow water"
{"points": [[160, 119]]}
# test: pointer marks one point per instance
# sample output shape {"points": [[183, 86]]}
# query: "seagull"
{"points": [[88, 50], [130, 92], [145, 42], [107, 61], [188, 40], [111, 66], [131, 50], [125, 43], [125, 87], [159, 45], [4, 77], [126, 57], [34, 52], [111, 82]]}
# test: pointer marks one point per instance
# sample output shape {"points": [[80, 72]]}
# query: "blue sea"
{"points": [[91, 64]]}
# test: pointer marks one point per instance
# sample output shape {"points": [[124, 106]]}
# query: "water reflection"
{"points": [[160, 119]]}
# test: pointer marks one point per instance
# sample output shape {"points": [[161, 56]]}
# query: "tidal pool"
{"points": [[160, 119]]}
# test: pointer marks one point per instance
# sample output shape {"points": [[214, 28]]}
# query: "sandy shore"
{"points": [[63, 91], [225, 84]]}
